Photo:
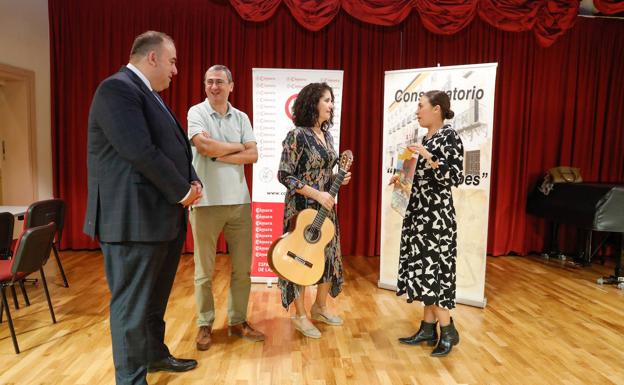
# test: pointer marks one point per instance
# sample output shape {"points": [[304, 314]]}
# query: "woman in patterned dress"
{"points": [[306, 169], [429, 237]]}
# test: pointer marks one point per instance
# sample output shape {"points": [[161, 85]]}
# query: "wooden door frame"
{"points": [[9, 72]]}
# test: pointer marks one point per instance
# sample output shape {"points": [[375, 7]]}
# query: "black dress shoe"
{"points": [[172, 364], [449, 337], [427, 333]]}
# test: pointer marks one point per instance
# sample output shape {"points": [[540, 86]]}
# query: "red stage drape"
{"points": [[561, 105], [547, 18], [609, 7]]}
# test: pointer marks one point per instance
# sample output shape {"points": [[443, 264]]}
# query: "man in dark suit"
{"points": [[140, 180]]}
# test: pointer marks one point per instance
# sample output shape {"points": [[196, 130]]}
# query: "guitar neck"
{"points": [[322, 213]]}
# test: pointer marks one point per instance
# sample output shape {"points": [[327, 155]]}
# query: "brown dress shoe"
{"points": [[244, 330], [204, 338]]}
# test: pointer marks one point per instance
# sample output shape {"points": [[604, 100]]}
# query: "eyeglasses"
{"points": [[216, 82]]}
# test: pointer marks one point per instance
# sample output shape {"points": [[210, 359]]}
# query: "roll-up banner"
{"points": [[471, 90], [274, 92]]}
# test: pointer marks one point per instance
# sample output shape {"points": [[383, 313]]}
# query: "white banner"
{"points": [[471, 89], [274, 92]]}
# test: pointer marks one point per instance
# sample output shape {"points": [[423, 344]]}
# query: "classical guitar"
{"points": [[299, 255]]}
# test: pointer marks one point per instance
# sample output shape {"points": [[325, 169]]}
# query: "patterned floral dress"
{"points": [[306, 161], [428, 252]]}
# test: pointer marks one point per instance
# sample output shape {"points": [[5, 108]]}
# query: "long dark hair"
{"points": [[305, 109], [441, 98]]}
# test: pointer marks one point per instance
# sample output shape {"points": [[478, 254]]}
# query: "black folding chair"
{"points": [[43, 212], [31, 253], [7, 221]]}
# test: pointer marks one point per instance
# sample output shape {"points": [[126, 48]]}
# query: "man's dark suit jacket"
{"points": [[139, 164]]}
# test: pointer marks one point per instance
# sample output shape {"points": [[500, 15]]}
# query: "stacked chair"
{"points": [[43, 227]]}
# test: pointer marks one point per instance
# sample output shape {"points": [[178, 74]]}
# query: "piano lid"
{"points": [[593, 206]]}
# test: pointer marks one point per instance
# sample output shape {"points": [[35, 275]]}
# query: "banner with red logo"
{"points": [[274, 92]]}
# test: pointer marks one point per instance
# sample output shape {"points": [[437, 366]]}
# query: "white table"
{"points": [[18, 211]]}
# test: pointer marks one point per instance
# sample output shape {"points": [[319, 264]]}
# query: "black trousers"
{"points": [[140, 276]]}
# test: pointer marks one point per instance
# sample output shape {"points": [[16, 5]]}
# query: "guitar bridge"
{"points": [[299, 259]]}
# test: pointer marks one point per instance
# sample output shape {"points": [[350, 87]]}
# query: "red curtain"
{"points": [[561, 105], [380, 12], [609, 7], [548, 19]]}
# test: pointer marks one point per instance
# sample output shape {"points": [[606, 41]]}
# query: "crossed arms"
{"points": [[227, 152]]}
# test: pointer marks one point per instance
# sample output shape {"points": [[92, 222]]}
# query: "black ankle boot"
{"points": [[427, 332], [448, 338]]}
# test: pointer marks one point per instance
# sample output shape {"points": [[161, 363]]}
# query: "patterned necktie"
{"points": [[162, 104]]}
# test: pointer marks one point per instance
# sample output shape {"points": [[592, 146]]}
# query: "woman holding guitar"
{"points": [[306, 169], [429, 237]]}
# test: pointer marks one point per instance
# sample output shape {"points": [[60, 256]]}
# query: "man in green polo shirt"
{"points": [[223, 142]]}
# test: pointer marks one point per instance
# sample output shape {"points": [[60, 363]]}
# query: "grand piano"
{"points": [[588, 206]]}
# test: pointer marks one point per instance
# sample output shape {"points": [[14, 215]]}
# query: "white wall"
{"points": [[25, 43]]}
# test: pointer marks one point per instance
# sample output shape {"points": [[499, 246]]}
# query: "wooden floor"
{"points": [[544, 324]]}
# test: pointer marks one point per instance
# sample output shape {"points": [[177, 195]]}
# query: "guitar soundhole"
{"points": [[311, 234]]}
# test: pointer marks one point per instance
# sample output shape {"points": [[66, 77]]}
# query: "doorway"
{"points": [[18, 173]]}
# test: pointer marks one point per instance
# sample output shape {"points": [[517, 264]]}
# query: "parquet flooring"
{"points": [[545, 323]]}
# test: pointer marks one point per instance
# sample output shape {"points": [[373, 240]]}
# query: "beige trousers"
{"points": [[207, 223]]}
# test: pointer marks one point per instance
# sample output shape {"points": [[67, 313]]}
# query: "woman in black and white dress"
{"points": [[428, 250]]}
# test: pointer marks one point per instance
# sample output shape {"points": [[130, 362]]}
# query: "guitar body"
{"points": [[297, 257]]}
